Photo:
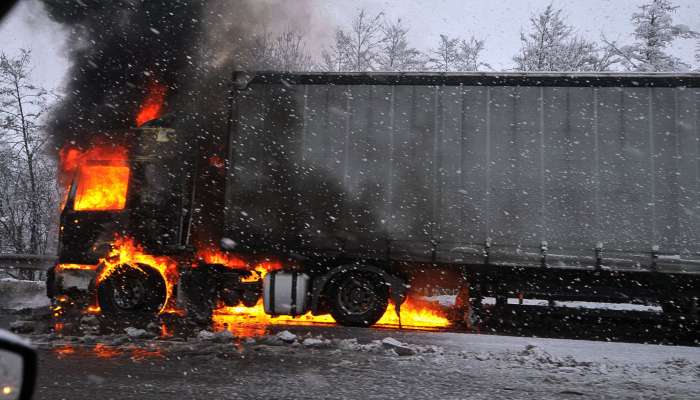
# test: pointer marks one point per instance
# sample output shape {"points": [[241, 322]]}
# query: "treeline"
{"points": [[29, 197], [378, 42], [28, 190]]}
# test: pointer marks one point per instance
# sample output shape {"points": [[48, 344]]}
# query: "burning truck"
{"points": [[344, 194]]}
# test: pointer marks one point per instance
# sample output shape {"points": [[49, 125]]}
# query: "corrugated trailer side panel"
{"points": [[434, 170]]}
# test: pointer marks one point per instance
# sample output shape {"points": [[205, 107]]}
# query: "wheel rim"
{"points": [[356, 295], [129, 292]]}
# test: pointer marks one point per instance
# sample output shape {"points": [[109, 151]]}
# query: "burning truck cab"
{"points": [[346, 194], [122, 202]]}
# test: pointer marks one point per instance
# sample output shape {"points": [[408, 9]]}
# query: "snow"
{"points": [[286, 336], [334, 362], [449, 300], [136, 333], [20, 294]]}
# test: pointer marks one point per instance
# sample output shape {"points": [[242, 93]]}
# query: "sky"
{"points": [[499, 23]]}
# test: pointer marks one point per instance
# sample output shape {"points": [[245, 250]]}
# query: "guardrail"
{"points": [[26, 266]]}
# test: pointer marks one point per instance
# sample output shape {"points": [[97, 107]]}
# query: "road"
{"points": [[330, 362], [345, 363]]}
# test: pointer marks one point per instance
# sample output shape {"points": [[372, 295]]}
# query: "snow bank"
{"points": [[17, 294]]}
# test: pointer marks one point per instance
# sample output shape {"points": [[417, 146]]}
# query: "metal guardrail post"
{"points": [[599, 256], [487, 251], [543, 254], [654, 257]]}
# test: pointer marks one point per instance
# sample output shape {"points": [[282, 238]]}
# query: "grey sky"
{"points": [[498, 22]]}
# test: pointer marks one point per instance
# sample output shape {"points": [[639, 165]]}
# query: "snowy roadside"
{"points": [[18, 294], [329, 362]]}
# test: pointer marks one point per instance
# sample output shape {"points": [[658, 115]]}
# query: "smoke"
{"points": [[119, 48]]}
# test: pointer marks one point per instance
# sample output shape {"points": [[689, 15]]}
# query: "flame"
{"points": [[139, 354], [126, 251], [165, 332], [251, 321], [93, 309], [75, 267], [212, 255], [152, 106], [415, 313], [102, 175], [63, 351], [104, 351]]}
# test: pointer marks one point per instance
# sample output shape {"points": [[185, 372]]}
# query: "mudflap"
{"points": [[199, 293], [467, 311]]}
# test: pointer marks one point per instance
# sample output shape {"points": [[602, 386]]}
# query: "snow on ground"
{"points": [[18, 294], [449, 300], [340, 363]]}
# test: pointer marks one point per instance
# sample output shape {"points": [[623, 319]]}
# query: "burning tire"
{"points": [[132, 292], [358, 298]]}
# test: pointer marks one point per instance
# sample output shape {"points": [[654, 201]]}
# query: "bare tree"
{"points": [[356, 49], [290, 53], [28, 203], [455, 54], [259, 52], [551, 45], [470, 55], [654, 32], [446, 56], [283, 52], [338, 56], [396, 54]]}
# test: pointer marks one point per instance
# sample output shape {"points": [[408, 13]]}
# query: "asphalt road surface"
{"points": [[330, 362], [343, 363]]}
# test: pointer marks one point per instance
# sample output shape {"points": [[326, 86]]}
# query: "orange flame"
{"points": [[415, 313], [102, 176], [106, 352], [251, 321], [126, 251], [63, 351], [75, 267], [153, 104], [211, 255]]}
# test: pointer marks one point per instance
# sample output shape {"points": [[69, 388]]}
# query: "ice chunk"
{"points": [[136, 333], [206, 335], [316, 343], [287, 336], [400, 348]]}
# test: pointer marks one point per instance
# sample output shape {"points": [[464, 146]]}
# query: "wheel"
{"points": [[132, 293], [249, 298], [357, 298]]}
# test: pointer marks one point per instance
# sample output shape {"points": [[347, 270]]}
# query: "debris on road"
{"points": [[22, 326], [137, 333]]}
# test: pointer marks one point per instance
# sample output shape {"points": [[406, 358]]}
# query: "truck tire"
{"points": [[132, 293], [357, 298]]}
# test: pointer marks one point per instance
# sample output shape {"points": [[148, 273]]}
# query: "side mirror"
{"points": [[17, 367]]}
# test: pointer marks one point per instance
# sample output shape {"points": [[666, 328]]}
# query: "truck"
{"points": [[361, 188]]}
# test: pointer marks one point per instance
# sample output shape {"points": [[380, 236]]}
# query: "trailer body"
{"points": [[429, 167]]}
